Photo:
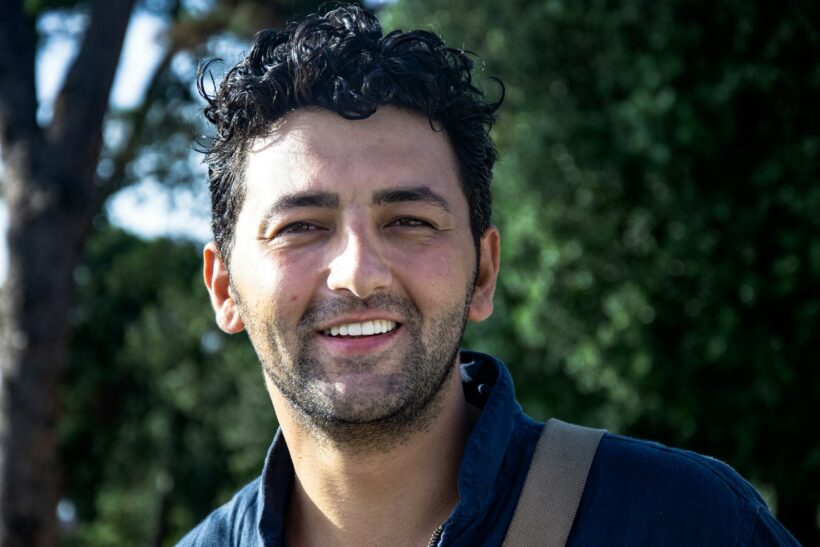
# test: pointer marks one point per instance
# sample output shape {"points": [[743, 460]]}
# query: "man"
{"points": [[351, 211]]}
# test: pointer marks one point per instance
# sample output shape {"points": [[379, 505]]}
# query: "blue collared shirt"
{"points": [[637, 492]]}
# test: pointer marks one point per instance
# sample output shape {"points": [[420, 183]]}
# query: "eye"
{"points": [[410, 222], [297, 228]]}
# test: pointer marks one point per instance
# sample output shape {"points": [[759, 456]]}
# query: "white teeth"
{"points": [[367, 328]]}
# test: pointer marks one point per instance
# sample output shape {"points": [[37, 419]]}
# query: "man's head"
{"points": [[342, 62], [358, 250]]}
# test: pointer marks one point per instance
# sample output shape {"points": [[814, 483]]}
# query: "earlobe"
{"points": [[215, 273], [481, 306]]}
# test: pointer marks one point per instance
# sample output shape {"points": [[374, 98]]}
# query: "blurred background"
{"points": [[657, 192]]}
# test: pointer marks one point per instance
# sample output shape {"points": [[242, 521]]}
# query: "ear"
{"points": [[489, 262], [219, 287]]}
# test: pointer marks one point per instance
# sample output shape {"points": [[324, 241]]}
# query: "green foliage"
{"points": [[165, 417], [661, 275]]}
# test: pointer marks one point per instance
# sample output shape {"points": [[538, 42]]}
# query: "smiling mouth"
{"points": [[365, 328]]}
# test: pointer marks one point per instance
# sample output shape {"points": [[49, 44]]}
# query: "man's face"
{"points": [[353, 265]]}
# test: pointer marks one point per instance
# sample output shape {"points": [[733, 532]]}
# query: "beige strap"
{"points": [[554, 485]]}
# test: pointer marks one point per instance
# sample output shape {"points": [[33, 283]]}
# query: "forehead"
{"points": [[313, 149]]}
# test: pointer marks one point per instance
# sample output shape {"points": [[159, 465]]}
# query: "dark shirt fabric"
{"points": [[637, 492]]}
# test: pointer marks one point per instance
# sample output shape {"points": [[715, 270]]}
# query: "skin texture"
{"points": [[346, 221]]}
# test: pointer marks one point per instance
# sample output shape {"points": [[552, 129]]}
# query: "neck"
{"points": [[396, 497]]}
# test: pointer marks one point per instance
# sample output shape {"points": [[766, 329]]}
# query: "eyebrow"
{"points": [[330, 200], [300, 200], [414, 193]]}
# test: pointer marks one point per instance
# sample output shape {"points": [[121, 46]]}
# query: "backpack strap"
{"points": [[554, 485]]}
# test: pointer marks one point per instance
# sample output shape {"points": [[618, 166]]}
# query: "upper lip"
{"points": [[359, 318]]}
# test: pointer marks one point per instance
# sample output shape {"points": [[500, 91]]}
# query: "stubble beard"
{"points": [[408, 403]]}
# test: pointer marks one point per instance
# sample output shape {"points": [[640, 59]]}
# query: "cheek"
{"points": [[441, 275], [293, 285], [274, 286]]}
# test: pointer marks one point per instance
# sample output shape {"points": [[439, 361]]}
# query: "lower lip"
{"points": [[353, 345]]}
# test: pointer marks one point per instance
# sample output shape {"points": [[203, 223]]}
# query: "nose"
{"points": [[359, 265]]}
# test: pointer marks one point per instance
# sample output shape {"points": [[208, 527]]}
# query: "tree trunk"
{"points": [[49, 190], [44, 239]]}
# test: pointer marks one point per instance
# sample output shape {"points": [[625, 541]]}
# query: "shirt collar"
{"points": [[274, 491], [488, 385]]}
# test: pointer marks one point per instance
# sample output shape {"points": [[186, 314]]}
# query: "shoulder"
{"points": [[692, 476], [640, 492], [235, 523]]}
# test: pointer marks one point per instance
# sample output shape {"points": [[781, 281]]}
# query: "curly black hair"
{"points": [[342, 61]]}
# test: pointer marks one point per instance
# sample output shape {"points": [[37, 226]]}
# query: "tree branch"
{"points": [[186, 34], [118, 179], [83, 100]]}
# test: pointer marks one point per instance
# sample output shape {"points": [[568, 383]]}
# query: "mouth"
{"points": [[365, 328]]}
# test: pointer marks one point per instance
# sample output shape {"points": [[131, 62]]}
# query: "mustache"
{"points": [[329, 309]]}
